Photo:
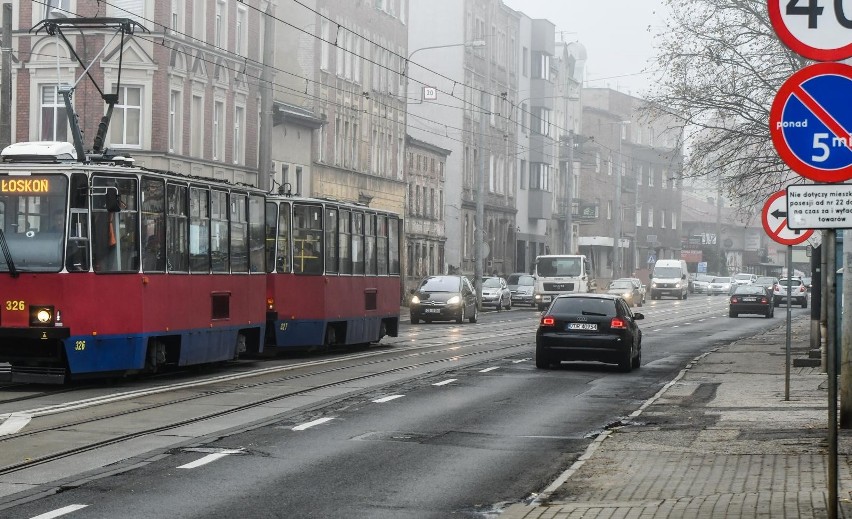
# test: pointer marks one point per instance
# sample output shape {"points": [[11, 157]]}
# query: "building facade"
{"points": [[630, 186], [425, 236]]}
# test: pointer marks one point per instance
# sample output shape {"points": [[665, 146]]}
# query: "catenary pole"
{"points": [[6, 78]]}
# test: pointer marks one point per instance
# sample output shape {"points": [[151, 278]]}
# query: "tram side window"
{"points": [[270, 236], [283, 249], [239, 232], [307, 239], [153, 225], [199, 230], [256, 239], [393, 246], [345, 241], [177, 226], [115, 235], [370, 248], [331, 240], [358, 243], [382, 244], [77, 252], [219, 242]]}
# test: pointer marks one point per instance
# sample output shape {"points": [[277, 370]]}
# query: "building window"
{"points": [[650, 176], [126, 124], [662, 218], [650, 217], [197, 118], [176, 18], [543, 126], [199, 20], [609, 210], [54, 117], [325, 46], [220, 35], [218, 130], [298, 180], [638, 216], [133, 9], [674, 221], [241, 32], [239, 132], [539, 176], [174, 122], [57, 8]]}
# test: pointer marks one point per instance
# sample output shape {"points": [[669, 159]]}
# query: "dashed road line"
{"points": [[59, 512], [387, 399], [486, 370], [211, 458], [308, 425], [13, 422], [445, 382]]}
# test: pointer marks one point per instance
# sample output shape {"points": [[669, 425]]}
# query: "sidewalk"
{"points": [[718, 442]]}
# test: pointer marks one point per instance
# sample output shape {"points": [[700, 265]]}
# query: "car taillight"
{"points": [[548, 321], [801, 288], [618, 322], [764, 300], [735, 300]]}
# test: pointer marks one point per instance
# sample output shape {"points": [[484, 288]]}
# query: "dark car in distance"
{"points": [[751, 299], [626, 289], [589, 327], [444, 298]]}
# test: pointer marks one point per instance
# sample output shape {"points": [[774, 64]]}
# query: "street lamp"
{"points": [[616, 231], [470, 44]]}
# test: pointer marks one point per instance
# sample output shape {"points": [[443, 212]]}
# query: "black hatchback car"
{"points": [[589, 327], [751, 299], [444, 298]]}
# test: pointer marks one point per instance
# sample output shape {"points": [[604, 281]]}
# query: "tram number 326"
{"points": [[813, 11], [15, 306], [80, 346]]}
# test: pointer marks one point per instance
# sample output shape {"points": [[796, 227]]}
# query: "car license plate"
{"points": [[582, 326], [545, 299], [432, 311], [749, 299]]}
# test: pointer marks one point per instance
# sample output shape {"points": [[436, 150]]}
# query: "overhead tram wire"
{"points": [[245, 59]]}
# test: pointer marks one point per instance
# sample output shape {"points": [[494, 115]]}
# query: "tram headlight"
{"points": [[41, 315]]}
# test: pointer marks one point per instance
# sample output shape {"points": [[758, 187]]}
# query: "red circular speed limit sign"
{"points": [[774, 219], [818, 30]]}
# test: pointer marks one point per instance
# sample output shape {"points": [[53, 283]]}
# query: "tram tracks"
{"points": [[14, 442]]}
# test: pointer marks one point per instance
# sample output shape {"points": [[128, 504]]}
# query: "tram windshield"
{"points": [[32, 217]]}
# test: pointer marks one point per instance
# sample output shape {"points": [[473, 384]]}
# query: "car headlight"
{"points": [[653, 285], [415, 300], [677, 285], [628, 295], [454, 300]]}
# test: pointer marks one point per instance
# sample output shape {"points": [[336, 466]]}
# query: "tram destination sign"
{"points": [[819, 206], [811, 122]]}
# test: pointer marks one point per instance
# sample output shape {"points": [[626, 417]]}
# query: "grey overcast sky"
{"points": [[615, 33]]}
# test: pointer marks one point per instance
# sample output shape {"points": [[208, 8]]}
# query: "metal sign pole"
{"points": [[788, 349], [831, 361]]}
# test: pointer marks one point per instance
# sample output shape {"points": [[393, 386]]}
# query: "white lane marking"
{"points": [[686, 324], [521, 360], [676, 326], [486, 370], [60, 512], [210, 458], [387, 399], [658, 330], [445, 382], [13, 422], [701, 320], [308, 425]]}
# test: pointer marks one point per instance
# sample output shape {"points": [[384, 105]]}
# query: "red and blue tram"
{"points": [[110, 269], [334, 273]]}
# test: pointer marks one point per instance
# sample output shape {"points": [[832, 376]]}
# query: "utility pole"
{"points": [[264, 160], [616, 259], [569, 197], [479, 220], [6, 78]]}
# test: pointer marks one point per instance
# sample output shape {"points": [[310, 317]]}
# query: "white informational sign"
{"points": [[430, 93], [819, 206]]}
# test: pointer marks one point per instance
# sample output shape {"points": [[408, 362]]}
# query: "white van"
{"points": [[669, 278], [561, 274]]}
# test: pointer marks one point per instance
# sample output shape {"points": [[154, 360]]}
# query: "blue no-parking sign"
{"points": [[811, 122]]}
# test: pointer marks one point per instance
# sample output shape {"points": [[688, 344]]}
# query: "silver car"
{"points": [[496, 293], [522, 287], [719, 286]]}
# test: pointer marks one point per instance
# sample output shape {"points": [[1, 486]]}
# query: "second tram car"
{"points": [[334, 273]]}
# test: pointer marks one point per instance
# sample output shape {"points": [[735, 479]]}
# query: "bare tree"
{"points": [[720, 66]]}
